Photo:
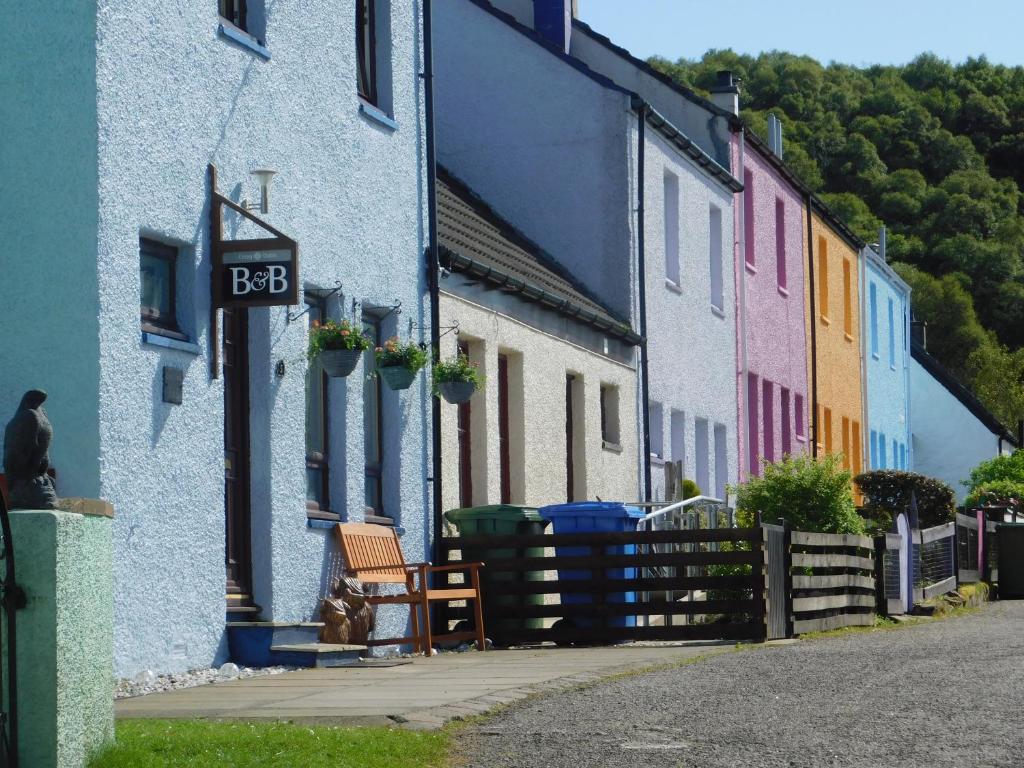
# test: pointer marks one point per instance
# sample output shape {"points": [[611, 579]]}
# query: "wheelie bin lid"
{"points": [[500, 511], [590, 509]]}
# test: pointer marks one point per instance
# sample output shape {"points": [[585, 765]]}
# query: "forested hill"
{"points": [[936, 153]]}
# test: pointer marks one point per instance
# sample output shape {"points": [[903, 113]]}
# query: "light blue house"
{"points": [[225, 455], [886, 339]]}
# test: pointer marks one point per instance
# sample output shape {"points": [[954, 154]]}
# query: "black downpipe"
{"points": [[814, 328], [433, 265], [645, 387], [13, 598]]}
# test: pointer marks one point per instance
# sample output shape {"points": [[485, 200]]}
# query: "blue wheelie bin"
{"points": [[595, 517]]}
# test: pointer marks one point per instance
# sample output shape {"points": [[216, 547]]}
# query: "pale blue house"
{"points": [[886, 370], [226, 456]]}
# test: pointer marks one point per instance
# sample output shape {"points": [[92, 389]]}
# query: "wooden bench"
{"points": [[373, 554]]}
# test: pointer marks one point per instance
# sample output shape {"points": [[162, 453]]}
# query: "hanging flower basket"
{"points": [[338, 346], [456, 380], [398, 363], [339, 363]]}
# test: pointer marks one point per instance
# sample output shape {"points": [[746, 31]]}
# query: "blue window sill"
{"points": [[327, 524], [156, 340], [377, 115], [244, 39], [718, 311]]}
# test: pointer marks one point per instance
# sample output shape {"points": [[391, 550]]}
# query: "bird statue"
{"points": [[26, 455]]}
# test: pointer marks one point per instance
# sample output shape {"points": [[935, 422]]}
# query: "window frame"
{"points": [[749, 255], [781, 277], [319, 462], [366, 60], [153, 320], [464, 430], [716, 259], [823, 303], [237, 18], [873, 309], [374, 473], [610, 426]]}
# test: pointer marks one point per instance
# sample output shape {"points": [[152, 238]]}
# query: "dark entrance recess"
{"points": [[570, 442], [503, 430], [465, 427], [238, 555]]}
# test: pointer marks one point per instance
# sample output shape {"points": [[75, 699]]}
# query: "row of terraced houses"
{"points": [[639, 276]]}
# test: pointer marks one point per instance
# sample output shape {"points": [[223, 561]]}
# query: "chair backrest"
{"points": [[369, 550]]}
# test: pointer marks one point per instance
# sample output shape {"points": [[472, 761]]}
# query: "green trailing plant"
{"points": [[457, 369], [809, 494], [997, 493], [405, 355], [332, 335], [887, 492]]}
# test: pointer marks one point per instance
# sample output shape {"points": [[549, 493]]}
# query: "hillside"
{"points": [[936, 152]]}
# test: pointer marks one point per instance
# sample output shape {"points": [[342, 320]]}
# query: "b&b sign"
{"points": [[258, 273]]}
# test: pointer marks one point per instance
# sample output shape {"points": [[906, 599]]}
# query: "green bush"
{"points": [[1000, 468], [690, 489], [887, 493], [811, 495], [997, 493]]}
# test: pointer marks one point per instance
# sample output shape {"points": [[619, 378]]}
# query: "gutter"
{"points": [[433, 265], [865, 415], [707, 163], [645, 385]]}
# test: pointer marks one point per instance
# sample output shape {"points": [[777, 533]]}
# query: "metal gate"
{"points": [[11, 599], [1010, 538]]}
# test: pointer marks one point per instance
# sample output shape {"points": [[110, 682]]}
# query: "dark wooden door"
{"points": [[238, 555], [465, 428], [570, 441], [503, 431]]}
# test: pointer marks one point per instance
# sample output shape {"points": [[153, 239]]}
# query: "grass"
{"points": [[205, 744]]}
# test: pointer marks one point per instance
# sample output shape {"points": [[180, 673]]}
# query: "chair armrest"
{"points": [[454, 567]]}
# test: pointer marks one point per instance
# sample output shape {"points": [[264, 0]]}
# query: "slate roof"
{"points": [[474, 239], [960, 392]]}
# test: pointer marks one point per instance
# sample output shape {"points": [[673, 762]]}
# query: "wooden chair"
{"points": [[373, 555]]}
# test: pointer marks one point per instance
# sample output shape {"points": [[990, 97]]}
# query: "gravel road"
{"points": [[944, 693]]}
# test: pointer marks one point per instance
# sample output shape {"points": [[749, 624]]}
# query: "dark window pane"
{"points": [[366, 50], [316, 419], [157, 275], [372, 418]]}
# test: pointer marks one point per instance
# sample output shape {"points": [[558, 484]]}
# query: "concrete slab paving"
{"points": [[426, 694]]}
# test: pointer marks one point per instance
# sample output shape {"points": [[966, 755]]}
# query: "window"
{"points": [[657, 430], [784, 419], [847, 299], [780, 242], [465, 432], [504, 445], [823, 278], [158, 273], [717, 283], [610, 416], [753, 426], [678, 435], [892, 334], [249, 16], [372, 425], [671, 194], [575, 458], [234, 11], [828, 431], [798, 412], [366, 49], [703, 469], [882, 463], [748, 217], [895, 454], [873, 449], [721, 462], [856, 448], [873, 311], [317, 486], [903, 456], [768, 406], [846, 443]]}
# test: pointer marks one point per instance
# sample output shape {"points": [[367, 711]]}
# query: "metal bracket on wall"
{"points": [[325, 294], [374, 308], [445, 328]]}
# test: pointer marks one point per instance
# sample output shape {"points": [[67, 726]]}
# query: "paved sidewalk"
{"points": [[424, 694]]}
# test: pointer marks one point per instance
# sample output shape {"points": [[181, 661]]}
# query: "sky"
{"points": [[857, 32]]}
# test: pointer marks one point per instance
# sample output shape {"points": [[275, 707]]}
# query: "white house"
{"points": [[571, 157], [952, 432], [222, 452]]}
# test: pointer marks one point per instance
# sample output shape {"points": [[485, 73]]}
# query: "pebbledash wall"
{"points": [[772, 388], [161, 94], [885, 316]]}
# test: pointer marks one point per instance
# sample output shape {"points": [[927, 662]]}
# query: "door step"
{"points": [[317, 654]]}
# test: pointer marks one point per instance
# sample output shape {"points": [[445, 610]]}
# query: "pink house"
{"points": [[772, 390]]}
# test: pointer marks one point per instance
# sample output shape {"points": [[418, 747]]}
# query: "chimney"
{"points": [[553, 20], [882, 236], [726, 92], [775, 135], [919, 332], [778, 138]]}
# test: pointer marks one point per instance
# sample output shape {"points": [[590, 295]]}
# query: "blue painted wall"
{"points": [[886, 338]]}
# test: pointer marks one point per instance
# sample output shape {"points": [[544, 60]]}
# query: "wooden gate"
{"points": [[598, 588]]}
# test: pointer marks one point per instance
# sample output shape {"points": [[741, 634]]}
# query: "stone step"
{"points": [[250, 642], [316, 654]]}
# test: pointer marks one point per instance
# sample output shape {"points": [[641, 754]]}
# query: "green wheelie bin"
{"points": [[501, 520]]}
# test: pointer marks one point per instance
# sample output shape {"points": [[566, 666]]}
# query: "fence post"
{"points": [[881, 602], [778, 580]]}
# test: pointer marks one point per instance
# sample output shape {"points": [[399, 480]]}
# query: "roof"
{"points": [[690, 149], [967, 398], [874, 258], [475, 240]]}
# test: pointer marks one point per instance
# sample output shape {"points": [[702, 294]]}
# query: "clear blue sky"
{"points": [[847, 31]]}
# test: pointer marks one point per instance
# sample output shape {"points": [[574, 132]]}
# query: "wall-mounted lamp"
{"points": [[264, 176]]}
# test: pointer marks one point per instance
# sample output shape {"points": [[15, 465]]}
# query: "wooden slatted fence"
{"points": [[833, 578], [597, 585]]}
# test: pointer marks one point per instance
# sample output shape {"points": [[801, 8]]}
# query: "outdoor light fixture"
{"points": [[264, 176]]}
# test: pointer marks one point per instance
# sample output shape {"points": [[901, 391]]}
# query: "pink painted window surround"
{"points": [[768, 409], [753, 424], [780, 242], [784, 419], [748, 217]]}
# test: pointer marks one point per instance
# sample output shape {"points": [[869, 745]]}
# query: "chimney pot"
{"points": [[552, 19]]}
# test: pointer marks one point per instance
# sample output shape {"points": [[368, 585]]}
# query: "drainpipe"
{"points": [[432, 272], [645, 388], [865, 410], [814, 326], [741, 267]]}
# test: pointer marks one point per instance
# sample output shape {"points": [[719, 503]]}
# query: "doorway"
{"points": [[237, 513]]}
